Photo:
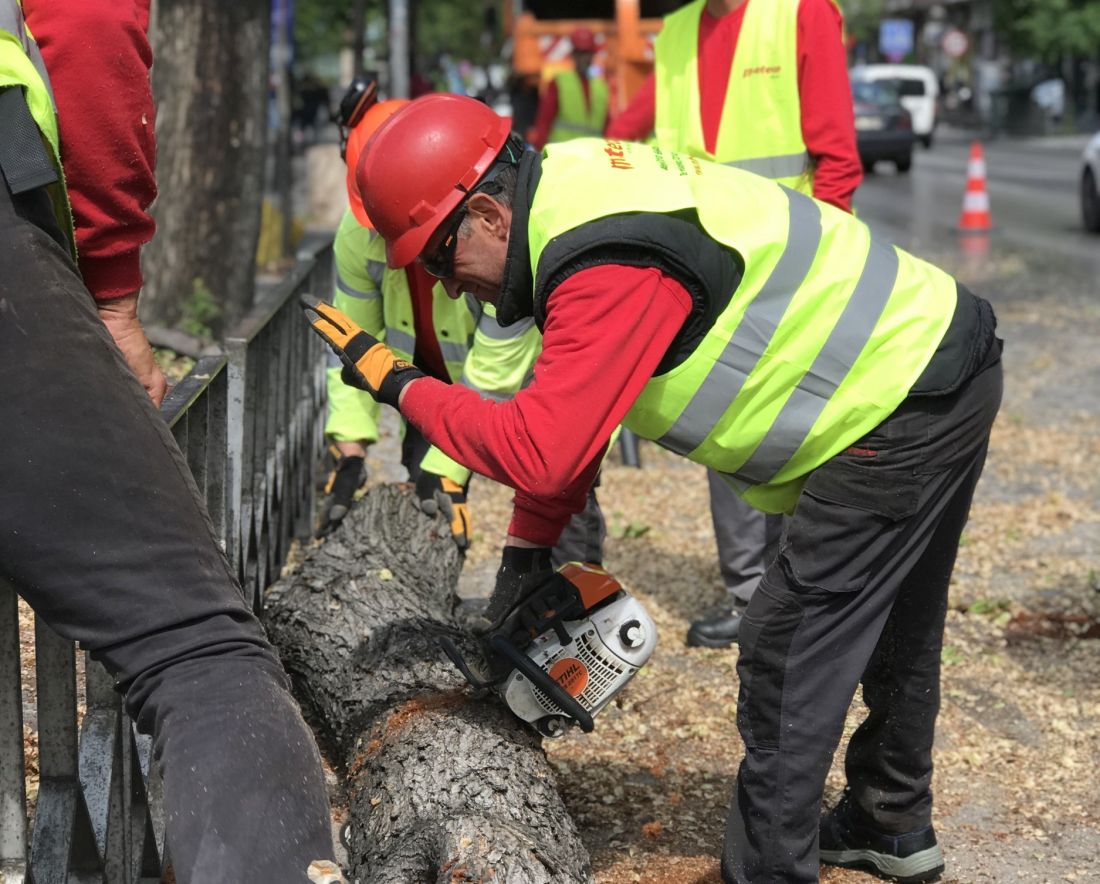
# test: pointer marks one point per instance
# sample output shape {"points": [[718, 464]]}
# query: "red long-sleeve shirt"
{"points": [[607, 328], [828, 126], [98, 58]]}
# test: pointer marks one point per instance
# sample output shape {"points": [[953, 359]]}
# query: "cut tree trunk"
{"points": [[442, 785]]}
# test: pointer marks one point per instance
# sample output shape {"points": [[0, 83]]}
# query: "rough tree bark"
{"points": [[443, 786], [210, 81]]}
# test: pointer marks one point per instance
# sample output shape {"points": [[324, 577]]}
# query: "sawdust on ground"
{"points": [[1019, 732]]}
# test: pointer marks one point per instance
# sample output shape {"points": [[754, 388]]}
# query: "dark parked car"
{"points": [[884, 129]]}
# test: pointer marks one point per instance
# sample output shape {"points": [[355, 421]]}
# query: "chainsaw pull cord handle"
{"points": [[501, 645]]}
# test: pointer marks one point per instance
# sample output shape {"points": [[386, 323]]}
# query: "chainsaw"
{"points": [[566, 650]]}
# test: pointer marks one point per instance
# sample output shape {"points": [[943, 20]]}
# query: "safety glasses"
{"points": [[441, 263]]}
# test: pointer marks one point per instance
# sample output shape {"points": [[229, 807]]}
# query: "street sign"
{"points": [[955, 43], [895, 38]]}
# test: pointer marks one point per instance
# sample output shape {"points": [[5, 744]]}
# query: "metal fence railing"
{"points": [[249, 422]]}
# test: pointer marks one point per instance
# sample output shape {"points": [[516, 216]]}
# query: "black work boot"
{"points": [[848, 840], [719, 628]]}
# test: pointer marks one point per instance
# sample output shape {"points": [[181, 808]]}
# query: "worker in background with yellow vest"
{"points": [[457, 341], [102, 530], [761, 85], [759, 332], [575, 103]]}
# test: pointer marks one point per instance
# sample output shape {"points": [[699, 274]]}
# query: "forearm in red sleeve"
{"points": [[98, 57], [606, 331], [544, 119], [828, 122], [636, 122], [540, 520]]}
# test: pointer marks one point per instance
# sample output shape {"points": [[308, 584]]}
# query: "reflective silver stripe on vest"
{"points": [[489, 327], [727, 376], [453, 352], [789, 166], [352, 292], [375, 270], [406, 343], [494, 395], [11, 20], [399, 340], [842, 348]]}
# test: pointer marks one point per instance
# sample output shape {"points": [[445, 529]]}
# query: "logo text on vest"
{"points": [[771, 69], [615, 150]]}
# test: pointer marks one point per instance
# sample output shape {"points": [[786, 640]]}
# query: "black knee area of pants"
{"points": [[767, 630]]}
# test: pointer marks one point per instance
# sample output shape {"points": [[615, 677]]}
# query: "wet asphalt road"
{"points": [[1039, 267], [1033, 191]]}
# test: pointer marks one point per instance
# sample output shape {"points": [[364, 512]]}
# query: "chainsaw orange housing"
{"points": [[593, 583]]}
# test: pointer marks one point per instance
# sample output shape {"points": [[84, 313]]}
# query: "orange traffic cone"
{"points": [[975, 210]]}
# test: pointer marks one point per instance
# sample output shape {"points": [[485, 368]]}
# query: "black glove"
{"points": [[368, 363], [440, 494], [349, 475], [522, 572]]}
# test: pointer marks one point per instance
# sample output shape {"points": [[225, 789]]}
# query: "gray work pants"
{"points": [[582, 539], [744, 536], [584, 536]]}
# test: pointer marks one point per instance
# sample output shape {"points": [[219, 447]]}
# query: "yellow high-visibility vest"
{"points": [[21, 66], [821, 339], [478, 353], [577, 118], [761, 126]]}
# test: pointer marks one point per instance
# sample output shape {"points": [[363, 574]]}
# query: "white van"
{"points": [[918, 88]]}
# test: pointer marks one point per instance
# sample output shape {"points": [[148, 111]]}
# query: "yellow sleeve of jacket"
{"points": [[499, 364], [360, 257]]}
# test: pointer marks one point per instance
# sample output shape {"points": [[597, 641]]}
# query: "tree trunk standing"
{"points": [[443, 786], [210, 82]]}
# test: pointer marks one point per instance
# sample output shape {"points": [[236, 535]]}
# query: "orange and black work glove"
{"points": [[439, 494], [368, 363]]}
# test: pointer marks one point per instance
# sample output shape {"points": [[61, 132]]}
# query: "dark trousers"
{"points": [[103, 532], [581, 541], [858, 593]]}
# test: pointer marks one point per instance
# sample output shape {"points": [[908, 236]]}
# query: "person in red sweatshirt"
{"points": [[754, 330], [102, 530], [762, 85]]}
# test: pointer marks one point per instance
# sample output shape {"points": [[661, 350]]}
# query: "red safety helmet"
{"points": [[422, 163], [357, 140], [583, 40]]}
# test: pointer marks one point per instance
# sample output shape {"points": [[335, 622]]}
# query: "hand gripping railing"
{"points": [[249, 423]]}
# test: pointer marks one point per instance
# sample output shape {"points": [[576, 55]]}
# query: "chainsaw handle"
{"points": [[452, 651], [501, 645]]}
